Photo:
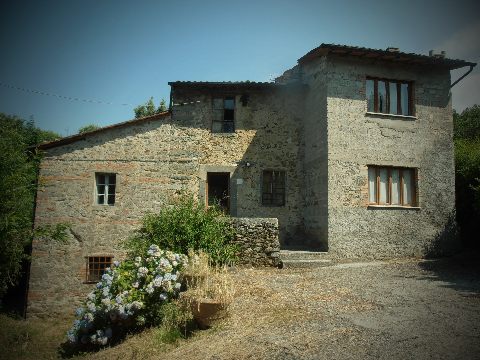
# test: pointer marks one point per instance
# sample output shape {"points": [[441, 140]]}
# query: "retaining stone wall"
{"points": [[258, 241]]}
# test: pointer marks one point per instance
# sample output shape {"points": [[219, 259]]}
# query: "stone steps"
{"points": [[304, 259]]}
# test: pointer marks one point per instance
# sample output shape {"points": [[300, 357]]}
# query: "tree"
{"points": [[88, 128], [149, 109], [467, 124], [18, 172], [467, 172]]}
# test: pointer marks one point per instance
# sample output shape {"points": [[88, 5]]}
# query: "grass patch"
{"points": [[31, 339], [43, 338]]}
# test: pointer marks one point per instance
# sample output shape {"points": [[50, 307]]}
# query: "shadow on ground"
{"points": [[460, 272]]}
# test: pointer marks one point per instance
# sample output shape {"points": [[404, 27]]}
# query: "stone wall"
{"points": [[154, 162], [268, 135], [258, 241], [315, 156], [318, 132], [357, 139]]}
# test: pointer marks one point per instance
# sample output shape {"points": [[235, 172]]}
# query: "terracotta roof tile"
{"points": [[76, 137], [241, 84], [386, 55]]}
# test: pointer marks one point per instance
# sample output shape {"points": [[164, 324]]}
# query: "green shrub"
{"points": [[467, 184], [176, 317], [467, 173], [187, 225]]}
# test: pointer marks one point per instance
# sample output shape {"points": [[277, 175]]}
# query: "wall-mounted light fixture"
{"points": [[246, 163]]}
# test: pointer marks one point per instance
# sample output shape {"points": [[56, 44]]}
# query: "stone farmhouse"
{"points": [[349, 152]]}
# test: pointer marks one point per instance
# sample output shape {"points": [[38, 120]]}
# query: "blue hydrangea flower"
{"points": [[157, 282], [149, 289], [88, 317], [79, 312], [142, 271], [72, 336], [91, 307], [136, 305]]}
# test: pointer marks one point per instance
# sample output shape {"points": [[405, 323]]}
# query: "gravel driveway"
{"points": [[405, 309]]}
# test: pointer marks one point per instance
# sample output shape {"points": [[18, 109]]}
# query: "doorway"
{"points": [[218, 190]]}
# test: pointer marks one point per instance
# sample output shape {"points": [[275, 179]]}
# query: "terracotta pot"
{"points": [[206, 311]]}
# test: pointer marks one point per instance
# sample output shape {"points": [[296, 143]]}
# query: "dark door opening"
{"points": [[218, 190]]}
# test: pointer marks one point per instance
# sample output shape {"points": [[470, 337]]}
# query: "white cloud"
{"points": [[465, 45]]}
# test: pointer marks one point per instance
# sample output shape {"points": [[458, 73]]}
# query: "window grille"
{"points": [[96, 266]]}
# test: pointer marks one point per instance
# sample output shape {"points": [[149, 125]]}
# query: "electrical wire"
{"points": [[38, 92]]}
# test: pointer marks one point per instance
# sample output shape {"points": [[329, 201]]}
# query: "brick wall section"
{"points": [[154, 162], [258, 241]]}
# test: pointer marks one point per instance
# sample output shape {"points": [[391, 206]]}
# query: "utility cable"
{"points": [[38, 92]]}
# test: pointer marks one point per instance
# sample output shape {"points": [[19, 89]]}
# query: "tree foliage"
{"points": [[18, 172], [467, 172], [88, 128], [467, 124], [149, 108]]}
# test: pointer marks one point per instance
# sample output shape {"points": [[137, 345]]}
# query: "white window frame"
{"points": [[107, 186]]}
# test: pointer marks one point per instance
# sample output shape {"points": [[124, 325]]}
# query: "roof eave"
{"points": [[83, 136], [223, 85], [376, 54]]}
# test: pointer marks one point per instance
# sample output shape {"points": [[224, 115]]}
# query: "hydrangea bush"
{"points": [[130, 294]]}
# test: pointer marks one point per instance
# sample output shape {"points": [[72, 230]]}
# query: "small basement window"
{"points": [[223, 115], [273, 188], [105, 188], [96, 267], [389, 96]]}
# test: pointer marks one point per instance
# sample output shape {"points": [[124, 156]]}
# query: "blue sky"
{"points": [[123, 52]]}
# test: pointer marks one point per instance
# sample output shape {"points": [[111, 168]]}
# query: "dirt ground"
{"points": [[404, 309]]}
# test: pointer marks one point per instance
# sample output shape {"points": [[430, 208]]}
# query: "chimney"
{"points": [[438, 55]]}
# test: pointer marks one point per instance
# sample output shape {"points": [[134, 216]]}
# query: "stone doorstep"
{"points": [[303, 255], [304, 259], [306, 263]]}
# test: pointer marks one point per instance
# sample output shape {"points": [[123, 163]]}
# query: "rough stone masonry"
{"points": [[309, 140]]}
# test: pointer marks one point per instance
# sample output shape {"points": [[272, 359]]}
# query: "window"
{"points": [[105, 188], [392, 186], [273, 188], [96, 266], [389, 96], [223, 115]]}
